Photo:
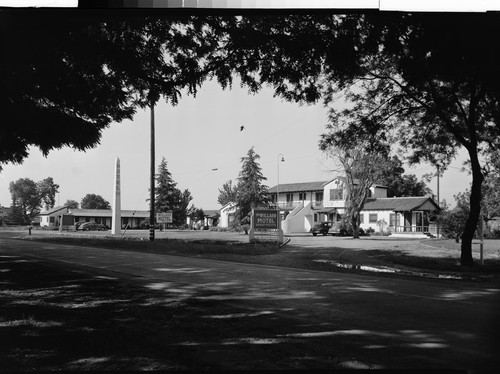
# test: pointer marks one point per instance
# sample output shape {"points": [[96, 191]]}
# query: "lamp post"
{"points": [[278, 185]]}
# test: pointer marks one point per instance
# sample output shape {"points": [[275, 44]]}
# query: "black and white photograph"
{"points": [[263, 185]]}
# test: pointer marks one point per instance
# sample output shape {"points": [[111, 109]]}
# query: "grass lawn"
{"points": [[430, 255]]}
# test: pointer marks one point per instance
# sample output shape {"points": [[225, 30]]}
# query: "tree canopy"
{"points": [[72, 204], [400, 184], [67, 76], [28, 197], [227, 194], [426, 83], [93, 201]]}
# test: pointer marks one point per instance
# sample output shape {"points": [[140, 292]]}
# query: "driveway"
{"points": [[264, 317]]}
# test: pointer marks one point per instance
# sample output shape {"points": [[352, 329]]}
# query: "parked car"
{"points": [[333, 228], [321, 228], [88, 226]]}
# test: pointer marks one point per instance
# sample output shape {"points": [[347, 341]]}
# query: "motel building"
{"points": [[302, 205], [53, 217]]}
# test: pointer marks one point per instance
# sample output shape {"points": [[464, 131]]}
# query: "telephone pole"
{"points": [[439, 205], [152, 177]]}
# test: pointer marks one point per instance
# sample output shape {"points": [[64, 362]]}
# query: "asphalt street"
{"points": [[380, 322]]}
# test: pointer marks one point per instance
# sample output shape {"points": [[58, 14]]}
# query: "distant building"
{"points": [[132, 218], [210, 219]]}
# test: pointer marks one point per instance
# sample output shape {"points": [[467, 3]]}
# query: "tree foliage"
{"points": [[71, 204], [93, 201], [452, 222], [399, 184], [168, 197], [67, 77], [361, 170], [251, 192], [227, 193], [428, 83], [28, 197]]}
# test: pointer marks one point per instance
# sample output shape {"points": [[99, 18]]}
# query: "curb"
{"points": [[389, 270]]}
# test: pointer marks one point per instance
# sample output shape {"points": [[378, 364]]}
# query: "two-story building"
{"points": [[302, 205]]}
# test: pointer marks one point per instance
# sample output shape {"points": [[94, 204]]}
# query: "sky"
{"points": [[199, 135]]}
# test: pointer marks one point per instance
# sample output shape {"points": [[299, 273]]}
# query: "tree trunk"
{"points": [[355, 226], [475, 209]]}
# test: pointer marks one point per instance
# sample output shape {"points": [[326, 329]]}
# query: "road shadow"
{"points": [[57, 317]]}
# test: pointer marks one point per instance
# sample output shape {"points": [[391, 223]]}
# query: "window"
{"points": [[302, 196], [394, 219], [289, 199], [315, 217], [361, 218], [336, 194], [52, 219], [319, 198], [373, 218]]}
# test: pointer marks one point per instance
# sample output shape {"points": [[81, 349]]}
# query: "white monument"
{"points": [[117, 209]]}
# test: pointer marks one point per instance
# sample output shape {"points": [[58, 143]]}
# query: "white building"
{"points": [[304, 204], [130, 218]]}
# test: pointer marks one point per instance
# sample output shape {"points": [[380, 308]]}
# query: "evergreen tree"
{"points": [[169, 197], [251, 193]]}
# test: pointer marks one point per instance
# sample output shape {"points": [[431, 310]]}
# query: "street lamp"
{"points": [[282, 159]]}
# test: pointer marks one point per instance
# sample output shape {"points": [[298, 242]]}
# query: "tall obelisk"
{"points": [[117, 209]]}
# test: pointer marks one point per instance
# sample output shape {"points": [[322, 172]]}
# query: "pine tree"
{"points": [[168, 197], [251, 193]]}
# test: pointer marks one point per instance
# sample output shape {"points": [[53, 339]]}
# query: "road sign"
{"points": [[164, 217]]}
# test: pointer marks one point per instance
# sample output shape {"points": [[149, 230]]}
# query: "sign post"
{"points": [[164, 218], [265, 219]]}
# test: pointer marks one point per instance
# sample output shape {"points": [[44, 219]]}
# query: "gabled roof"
{"points": [[211, 213], [298, 187], [356, 181], [53, 210], [308, 186], [109, 213], [401, 204]]}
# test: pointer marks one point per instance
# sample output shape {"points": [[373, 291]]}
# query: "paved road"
{"points": [[373, 322]]}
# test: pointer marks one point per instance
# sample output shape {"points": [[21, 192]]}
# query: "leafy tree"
{"points": [[196, 214], [72, 204], [169, 197], [93, 201], [47, 190], [400, 184], [362, 168], [227, 193], [71, 75], [452, 222], [251, 193], [490, 204], [428, 83], [28, 198]]}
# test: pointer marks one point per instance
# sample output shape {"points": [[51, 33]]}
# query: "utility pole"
{"points": [[439, 205], [152, 177]]}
